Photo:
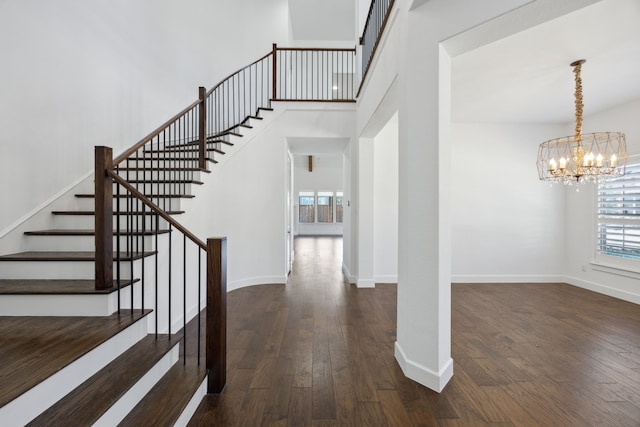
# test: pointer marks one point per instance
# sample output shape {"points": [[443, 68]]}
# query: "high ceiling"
{"points": [[323, 20], [527, 78]]}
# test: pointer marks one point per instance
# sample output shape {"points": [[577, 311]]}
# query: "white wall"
{"points": [[580, 220], [327, 176], [506, 225], [385, 203], [78, 74]]}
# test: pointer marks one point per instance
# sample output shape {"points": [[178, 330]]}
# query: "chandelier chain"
{"points": [[578, 96]]}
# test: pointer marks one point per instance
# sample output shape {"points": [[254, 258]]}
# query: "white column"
{"points": [[424, 297]]}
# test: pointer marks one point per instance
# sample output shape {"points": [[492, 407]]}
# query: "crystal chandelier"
{"points": [[582, 158]]}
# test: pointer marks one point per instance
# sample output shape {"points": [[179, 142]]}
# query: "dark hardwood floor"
{"points": [[319, 352]]}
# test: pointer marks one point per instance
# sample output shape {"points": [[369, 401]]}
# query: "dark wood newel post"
{"points": [[104, 218], [202, 121], [216, 345], [274, 63]]}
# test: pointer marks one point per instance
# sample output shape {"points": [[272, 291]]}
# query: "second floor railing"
{"points": [[314, 74], [377, 19]]}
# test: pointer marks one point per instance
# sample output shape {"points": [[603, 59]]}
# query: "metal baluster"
{"points": [[156, 307], [199, 298], [169, 282], [184, 298]]}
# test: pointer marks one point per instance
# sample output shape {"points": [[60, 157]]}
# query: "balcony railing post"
{"points": [[274, 71], [216, 345], [202, 126], [104, 218]]}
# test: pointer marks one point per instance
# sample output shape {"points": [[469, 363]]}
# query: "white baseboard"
{"points": [[386, 279], [461, 278], [366, 283], [348, 274], [252, 281], [601, 289], [434, 380]]}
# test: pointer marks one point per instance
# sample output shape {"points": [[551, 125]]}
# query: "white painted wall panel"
{"points": [[506, 225]]}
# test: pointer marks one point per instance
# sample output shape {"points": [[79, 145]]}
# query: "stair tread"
{"points": [[150, 181], [68, 256], [149, 196], [55, 287], [76, 212], [231, 133], [165, 169], [209, 140], [184, 150], [222, 141], [88, 232], [165, 402], [90, 400], [34, 348]]}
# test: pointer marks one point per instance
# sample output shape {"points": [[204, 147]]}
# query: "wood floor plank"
{"points": [[300, 407], [393, 408]]}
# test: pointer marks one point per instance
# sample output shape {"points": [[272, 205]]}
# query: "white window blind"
{"points": [[619, 215]]}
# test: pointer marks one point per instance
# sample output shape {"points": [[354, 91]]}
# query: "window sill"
{"points": [[626, 271]]}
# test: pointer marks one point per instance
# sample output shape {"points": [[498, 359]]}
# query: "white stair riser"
{"points": [[161, 188], [152, 162], [57, 305], [156, 174], [166, 203], [57, 269], [84, 222], [86, 243]]}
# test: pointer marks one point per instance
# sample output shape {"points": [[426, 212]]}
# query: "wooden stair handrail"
{"points": [[210, 91], [122, 157]]}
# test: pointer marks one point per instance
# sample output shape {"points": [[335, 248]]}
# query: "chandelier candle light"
{"points": [[582, 158]]}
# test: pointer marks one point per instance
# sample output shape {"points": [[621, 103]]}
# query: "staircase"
{"points": [[69, 356], [95, 327]]}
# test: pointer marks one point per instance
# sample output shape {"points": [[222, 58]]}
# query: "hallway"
{"points": [[319, 352]]}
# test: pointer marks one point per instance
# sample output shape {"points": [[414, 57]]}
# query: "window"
{"points": [[306, 207], [325, 207], [619, 215], [339, 206]]}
